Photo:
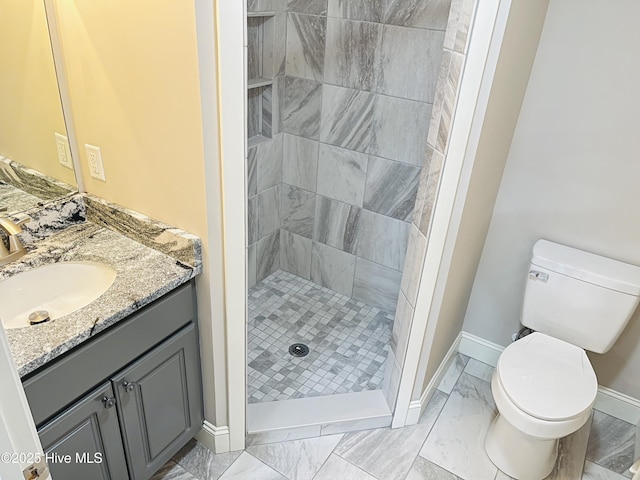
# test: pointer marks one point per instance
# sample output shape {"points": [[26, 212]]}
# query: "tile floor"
{"points": [[348, 341], [445, 445]]}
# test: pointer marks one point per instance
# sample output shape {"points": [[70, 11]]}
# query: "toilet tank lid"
{"points": [[589, 267]]}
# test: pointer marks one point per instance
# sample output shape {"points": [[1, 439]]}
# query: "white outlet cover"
{"points": [[64, 152], [94, 158]]}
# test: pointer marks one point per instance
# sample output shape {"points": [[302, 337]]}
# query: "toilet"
{"points": [[544, 385]]}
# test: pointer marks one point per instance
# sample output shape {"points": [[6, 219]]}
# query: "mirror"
{"points": [[32, 127]]}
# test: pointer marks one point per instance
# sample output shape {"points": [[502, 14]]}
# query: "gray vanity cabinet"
{"points": [[159, 404], [148, 403], [90, 429]]}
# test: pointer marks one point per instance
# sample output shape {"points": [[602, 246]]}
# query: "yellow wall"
{"points": [[133, 79], [31, 111]]}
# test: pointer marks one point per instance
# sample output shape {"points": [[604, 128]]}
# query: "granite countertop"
{"points": [[143, 274]]}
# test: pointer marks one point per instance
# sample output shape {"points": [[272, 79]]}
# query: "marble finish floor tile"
{"points": [[611, 443], [456, 442], [299, 459], [336, 468], [387, 454], [423, 469], [479, 370], [348, 341], [593, 471], [202, 463], [450, 378], [172, 471], [571, 455], [249, 467]]}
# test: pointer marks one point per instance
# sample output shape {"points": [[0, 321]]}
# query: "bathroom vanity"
{"points": [[115, 387]]}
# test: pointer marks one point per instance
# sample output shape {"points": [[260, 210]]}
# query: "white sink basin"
{"points": [[59, 289]]}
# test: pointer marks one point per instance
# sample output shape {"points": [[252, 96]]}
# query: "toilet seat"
{"points": [[547, 378]]}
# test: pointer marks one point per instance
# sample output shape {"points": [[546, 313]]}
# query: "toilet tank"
{"points": [[581, 298]]}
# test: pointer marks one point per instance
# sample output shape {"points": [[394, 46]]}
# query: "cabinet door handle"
{"points": [[109, 402], [128, 386]]}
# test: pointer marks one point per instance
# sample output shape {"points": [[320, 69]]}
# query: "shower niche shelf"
{"points": [[260, 69]]}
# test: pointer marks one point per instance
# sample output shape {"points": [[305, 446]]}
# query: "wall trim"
{"points": [[417, 407], [608, 401], [216, 439]]}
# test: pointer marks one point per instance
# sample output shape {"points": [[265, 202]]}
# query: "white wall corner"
{"points": [[214, 438], [417, 407], [608, 401]]}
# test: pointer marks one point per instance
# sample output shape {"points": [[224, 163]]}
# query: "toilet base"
{"points": [[517, 454]]}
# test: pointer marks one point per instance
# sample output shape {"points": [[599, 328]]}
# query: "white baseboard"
{"points": [[608, 401], [416, 407], [214, 438]]}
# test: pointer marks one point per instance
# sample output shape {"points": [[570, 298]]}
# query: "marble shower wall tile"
{"points": [[363, 10], [414, 260], [301, 109], [254, 112], [436, 112], [376, 285], [265, 5], [450, 93], [264, 214], [459, 25], [391, 188], [346, 118], [336, 224], [254, 52], [267, 255], [297, 210], [332, 268], [431, 14], [267, 111], [409, 61], [455, 442], [251, 265], [295, 254], [382, 240], [265, 165], [305, 46], [279, 53], [401, 327], [431, 192], [341, 174], [314, 7], [252, 172], [398, 130], [422, 185], [300, 162], [353, 58]]}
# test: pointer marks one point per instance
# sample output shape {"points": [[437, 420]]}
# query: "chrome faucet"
{"points": [[16, 249]]}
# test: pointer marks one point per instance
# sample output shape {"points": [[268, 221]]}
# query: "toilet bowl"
{"points": [[544, 389]]}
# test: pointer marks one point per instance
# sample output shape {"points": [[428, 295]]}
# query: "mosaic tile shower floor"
{"points": [[348, 341]]}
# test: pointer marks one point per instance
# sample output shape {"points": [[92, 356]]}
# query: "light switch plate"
{"points": [[94, 157], [62, 146]]}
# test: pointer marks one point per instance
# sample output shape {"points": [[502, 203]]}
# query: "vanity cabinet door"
{"points": [[84, 441], [160, 403]]}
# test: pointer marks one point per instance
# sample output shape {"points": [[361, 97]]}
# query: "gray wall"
{"points": [[354, 106], [572, 171]]}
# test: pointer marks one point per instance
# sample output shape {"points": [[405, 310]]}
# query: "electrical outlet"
{"points": [[62, 145], [96, 168]]}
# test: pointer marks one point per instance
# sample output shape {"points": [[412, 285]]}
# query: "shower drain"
{"points": [[299, 350]]}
